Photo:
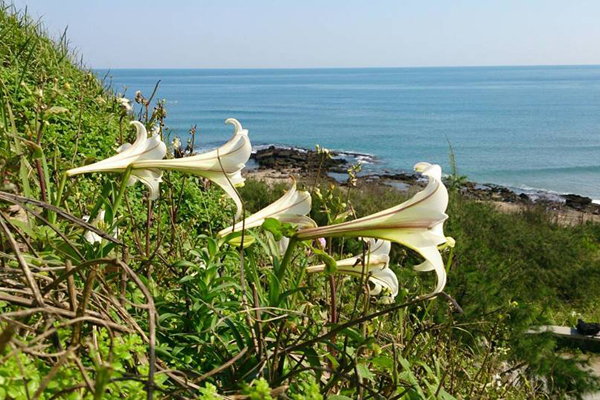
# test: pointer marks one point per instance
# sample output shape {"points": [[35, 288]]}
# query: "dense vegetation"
{"points": [[163, 307]]}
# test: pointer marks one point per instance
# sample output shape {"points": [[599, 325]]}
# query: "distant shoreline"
{"points": [[274, 163]]}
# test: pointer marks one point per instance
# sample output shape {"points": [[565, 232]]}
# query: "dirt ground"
{"points": [[563, 217]]}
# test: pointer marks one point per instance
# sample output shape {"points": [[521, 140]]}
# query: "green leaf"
{"points": [[24, 227], [165, 316], [290, 292], [24, 174], [274, 290], [183, 263], [313, 359], [353, 334], [236, 334], [383, 362], [364, 373], [37, 150], [212, 247], [106, 189], [274, 226], [187, 278]]}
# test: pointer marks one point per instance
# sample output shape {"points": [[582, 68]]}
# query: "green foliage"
{"points": [[21, 374], [258, 194], [48, 99], [259, 390], [209, 392]]}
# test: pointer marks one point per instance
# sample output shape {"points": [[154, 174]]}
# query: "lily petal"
{"points": [[301, 221], [223, 166], [150, 178], [89, 236], [376, 266], [92, 237], [143, 148], [416, 223], [282, 245], [384, 278], [228, 183], [291, 207]]}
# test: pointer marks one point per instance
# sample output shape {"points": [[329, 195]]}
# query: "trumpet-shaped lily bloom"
{"points": [[144, 148], [92, 237], [416, 223], [223, 166], [291, 207], [89, 236], [376, 266]]}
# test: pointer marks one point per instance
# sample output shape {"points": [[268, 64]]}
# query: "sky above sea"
{"points": [[525, 127], [316, 33]]}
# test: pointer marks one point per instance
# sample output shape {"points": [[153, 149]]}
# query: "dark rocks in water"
{"points": [[307, 161], [587, 328], [524, 197], [505, 194], [577, 202], [492, 192], [409, 177]]}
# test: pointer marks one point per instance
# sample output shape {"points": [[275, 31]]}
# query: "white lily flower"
{"points": [[89, 236], [416, 223], [92, 237], [223, 166], [282, 245], [144, 148], [376, 266], [125, 103], [291, 207]]}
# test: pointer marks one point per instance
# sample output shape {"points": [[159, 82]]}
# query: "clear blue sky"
{"points": [[325, 33]]}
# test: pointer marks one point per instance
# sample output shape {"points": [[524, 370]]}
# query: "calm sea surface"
{"points": [[526, 127]]}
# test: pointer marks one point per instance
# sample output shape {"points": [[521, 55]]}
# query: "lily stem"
{"points": [[287, 257], [333, 301], [119, 198], [58, 199]]}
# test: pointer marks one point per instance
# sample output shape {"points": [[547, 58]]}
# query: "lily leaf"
{"points": [[364, 373], [274, 226]]}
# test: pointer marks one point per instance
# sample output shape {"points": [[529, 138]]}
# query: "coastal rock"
{"points": [[409, 177], [524, 197], [306, 161], [577, 202]]}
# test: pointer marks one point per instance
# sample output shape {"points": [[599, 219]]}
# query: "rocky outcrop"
{"points": [[305, 161], [577, 202]]}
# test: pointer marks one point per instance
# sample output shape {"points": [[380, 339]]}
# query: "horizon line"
{"points": [[321, 68]]}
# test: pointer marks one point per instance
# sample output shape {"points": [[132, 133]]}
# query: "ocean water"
{"points": [[525, 127]]}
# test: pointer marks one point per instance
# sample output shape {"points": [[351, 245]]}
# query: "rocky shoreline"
{"points": [[279, 162]]}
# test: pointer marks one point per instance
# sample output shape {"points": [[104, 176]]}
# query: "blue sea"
{"points": [[524, 127]]}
